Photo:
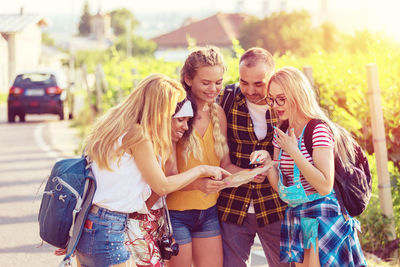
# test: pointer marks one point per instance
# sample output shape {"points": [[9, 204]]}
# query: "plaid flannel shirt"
{"points": [[233, 203], [337, 237]]}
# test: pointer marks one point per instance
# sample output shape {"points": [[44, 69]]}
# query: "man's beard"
{"points": [[259, 100]]}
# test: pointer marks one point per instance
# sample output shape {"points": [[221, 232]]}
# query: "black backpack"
{"points": [[353, 188], [226, 101]]}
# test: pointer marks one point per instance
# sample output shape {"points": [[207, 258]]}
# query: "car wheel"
{"points": [[61, 115], [21, 117], [11, 116]]}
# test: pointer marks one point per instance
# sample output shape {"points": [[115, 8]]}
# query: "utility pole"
{"points": [[379, 142], [323, 11], [240, 6], [283, 6], [265, 9]]}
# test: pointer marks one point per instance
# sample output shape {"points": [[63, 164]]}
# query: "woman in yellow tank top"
{"points": [[193, 209]]}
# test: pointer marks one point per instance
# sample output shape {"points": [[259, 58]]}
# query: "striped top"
{"points": [[322, 137]]}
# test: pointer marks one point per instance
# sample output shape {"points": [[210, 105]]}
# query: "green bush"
{"points": [[91, 58], [341, 80], [123, 74], [375, 233], [3, 97]]}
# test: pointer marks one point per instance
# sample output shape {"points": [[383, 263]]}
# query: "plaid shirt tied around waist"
{"points": [[233, 203], [337, 238]]}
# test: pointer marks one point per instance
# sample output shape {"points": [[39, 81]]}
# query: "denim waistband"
{"points": [[103, 212]]}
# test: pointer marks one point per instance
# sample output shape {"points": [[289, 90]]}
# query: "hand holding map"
{"points": [[245, 176]]}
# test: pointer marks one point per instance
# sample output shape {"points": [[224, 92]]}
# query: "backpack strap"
{"points": [[228, 96], [308, 133], [78, 224]]}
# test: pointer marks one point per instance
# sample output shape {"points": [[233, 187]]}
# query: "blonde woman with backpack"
{"points": [[314, 231], [129, 146]]}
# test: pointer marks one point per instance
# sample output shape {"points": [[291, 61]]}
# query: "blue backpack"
{"points": [[65, 204]]}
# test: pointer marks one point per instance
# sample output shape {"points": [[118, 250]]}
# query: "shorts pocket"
{"points": [[117, 227], [86, 241]]}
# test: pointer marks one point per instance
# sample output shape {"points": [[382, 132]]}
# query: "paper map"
{"points": [[245, 176]]}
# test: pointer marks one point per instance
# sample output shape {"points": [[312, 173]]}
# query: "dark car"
{"points": [[38, 92]]}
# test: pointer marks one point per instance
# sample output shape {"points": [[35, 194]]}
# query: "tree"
{"points": [[119, 17], [84, 23], [47, 40], [281, 32], [330, 37], [140, 46]]}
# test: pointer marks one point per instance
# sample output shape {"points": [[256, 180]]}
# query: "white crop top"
{"points": [[122, 189]]}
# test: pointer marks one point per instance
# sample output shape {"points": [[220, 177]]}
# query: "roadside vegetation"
{"points": [[3, 98]]}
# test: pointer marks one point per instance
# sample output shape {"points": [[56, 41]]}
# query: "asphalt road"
{"points": [[27, 153]]}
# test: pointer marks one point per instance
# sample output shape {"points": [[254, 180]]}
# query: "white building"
{"points": [[20, 45]]}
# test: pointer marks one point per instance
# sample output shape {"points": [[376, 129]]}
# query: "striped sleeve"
{"points": [[274, 143], [322, 137]]}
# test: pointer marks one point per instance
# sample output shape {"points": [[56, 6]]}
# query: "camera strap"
{"points": [[168, 226]]}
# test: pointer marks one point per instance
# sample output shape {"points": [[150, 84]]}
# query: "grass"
{"points": [[381, 263], [372, 260]]}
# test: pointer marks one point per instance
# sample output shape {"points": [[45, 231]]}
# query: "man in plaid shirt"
{"points": [[253, 208]]}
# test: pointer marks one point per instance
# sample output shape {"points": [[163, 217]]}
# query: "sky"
{"points": [[372, 14]]}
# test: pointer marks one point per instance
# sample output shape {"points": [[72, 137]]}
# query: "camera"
{"points": [[167, 247]]}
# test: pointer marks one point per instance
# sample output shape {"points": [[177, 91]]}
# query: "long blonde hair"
{"points": [[144, 115], [203, 57], [301, 96]]}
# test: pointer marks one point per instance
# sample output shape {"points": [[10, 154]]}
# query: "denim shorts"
{"points": [[102, 239], [190, 224]]}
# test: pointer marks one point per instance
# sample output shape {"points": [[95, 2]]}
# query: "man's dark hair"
{"points": [[257, 54]]}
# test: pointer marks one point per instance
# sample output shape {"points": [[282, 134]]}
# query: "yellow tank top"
{"points": [[195, 199]]}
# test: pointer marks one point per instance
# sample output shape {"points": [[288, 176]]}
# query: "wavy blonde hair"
{"points": [[145, 114], [300, 94], [203, 57]]}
